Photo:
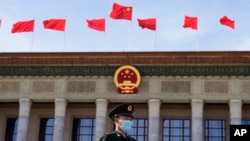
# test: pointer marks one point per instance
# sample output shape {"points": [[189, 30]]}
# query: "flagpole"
{"points": [[156, 2], [64, 35], [0, 22], [234, 37], [130, 37], [130, 32], [196, 42], [155, 40], [197, 34], [64, 41], [32, 41], [32, 38], [105, 34]]}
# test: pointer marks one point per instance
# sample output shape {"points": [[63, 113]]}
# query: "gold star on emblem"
{"points": [[126, 71]]}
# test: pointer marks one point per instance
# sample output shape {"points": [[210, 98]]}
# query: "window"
{"points": [[176, 130], [46, 129], [139, 129], [11, 129], [245, 122], [83, 129], [215, 130]]}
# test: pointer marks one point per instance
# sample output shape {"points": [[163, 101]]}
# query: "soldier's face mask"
{"points": [[126, 125]]}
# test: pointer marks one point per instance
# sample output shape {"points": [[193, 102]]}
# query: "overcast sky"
{"points": [[122, 35]]}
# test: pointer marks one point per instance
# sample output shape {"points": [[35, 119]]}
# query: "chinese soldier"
{"points": [[122, 118]]}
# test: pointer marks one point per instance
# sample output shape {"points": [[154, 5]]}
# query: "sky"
{"points": [[123, 35]]}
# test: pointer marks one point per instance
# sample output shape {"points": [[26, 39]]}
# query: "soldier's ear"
{"points": [[116, 119]]}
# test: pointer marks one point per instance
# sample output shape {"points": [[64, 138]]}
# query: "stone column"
{"points": [[60, 109], [23, 119], [101, 114], [235, 106], [197, 119], [154, 119]]}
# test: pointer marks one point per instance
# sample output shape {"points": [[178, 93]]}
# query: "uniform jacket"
{"points": [[116, 136]]}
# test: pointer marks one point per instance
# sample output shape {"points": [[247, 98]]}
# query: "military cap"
{"points": [[122, 110]]}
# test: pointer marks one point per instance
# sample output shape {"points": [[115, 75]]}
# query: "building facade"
{"points": [[183, 96]]}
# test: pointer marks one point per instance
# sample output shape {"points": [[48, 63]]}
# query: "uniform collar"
{"points": [[118, 133]]}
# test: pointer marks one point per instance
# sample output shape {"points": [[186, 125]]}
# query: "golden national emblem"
{"points": [[127, 79]]}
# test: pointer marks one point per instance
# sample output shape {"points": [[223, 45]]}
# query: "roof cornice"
{"points": [[133, 58]]}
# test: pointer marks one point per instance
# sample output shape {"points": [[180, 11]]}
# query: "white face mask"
{"points": [[126, 125]]}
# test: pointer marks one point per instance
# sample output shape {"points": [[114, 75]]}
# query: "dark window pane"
{"points": [[141, 123], [83, 129], [11, 129], [176, 139], [186, 132], [186, 123], [166, 123], [186, 138], [46, 129], [176, 130], [175, 123], [49, 138], [140, 129], [215, 130], [50, 122], [166, 131], [245, 122], [49, 130], [140, 138]]}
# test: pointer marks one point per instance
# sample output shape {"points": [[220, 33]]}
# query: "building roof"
{"points": [[134, 58], [105, 63]]}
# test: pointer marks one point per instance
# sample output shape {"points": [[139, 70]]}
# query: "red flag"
{"points": [[55, 24], [227, 22], [121, 12], [97, 24], [23, 26], [191, 22], [147, 23]]}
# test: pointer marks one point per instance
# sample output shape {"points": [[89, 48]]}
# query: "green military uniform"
{"points": [[116, 136], [120, 110]]}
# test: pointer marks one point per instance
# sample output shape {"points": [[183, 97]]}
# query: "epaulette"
{"points": [[110, 133], [106, 135]]}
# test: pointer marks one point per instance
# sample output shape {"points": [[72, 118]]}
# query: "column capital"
{"points": [[24, 104], [235, 101], [101, 100], [101, 107], [197, 101], [154, 107], [23, 100], [60, 100], [154, 101], [197, 107], [235, 106], [60, 106]]}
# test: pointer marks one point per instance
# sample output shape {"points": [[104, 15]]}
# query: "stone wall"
{"points": [[87, 89]]}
